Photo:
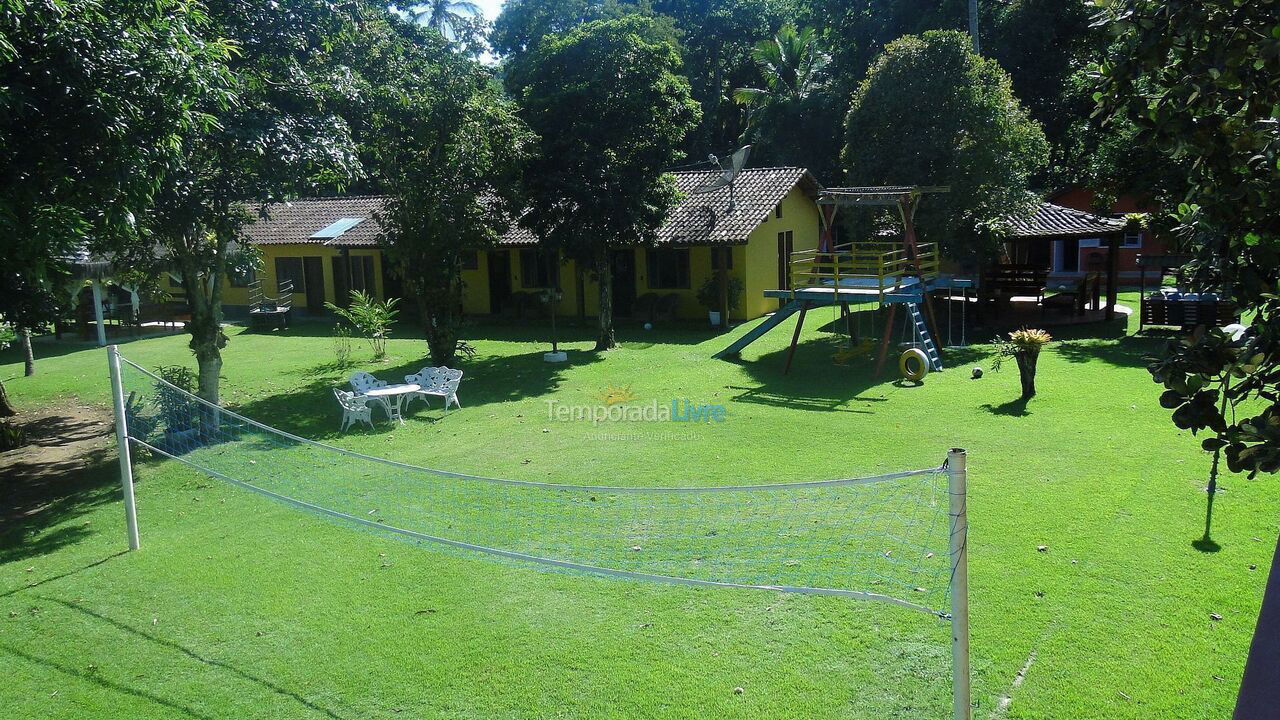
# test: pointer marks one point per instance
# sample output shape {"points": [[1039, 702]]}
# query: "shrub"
{"points": [[370, 318], [709, 293], [177, 409], [341, 346]]}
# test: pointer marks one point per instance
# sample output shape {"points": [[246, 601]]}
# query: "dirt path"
{"points": [[68, 451]]}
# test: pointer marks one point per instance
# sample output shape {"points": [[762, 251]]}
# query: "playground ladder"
{"points": [[926, 339]]}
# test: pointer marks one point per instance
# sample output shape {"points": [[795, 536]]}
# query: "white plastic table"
{"points": [[392, 398]]}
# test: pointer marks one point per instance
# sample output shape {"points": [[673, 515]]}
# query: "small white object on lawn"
{"points": [[555, 357]]}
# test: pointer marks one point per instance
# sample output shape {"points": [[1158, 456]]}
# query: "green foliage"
{"points": [[177, 410], [930, 112], [611, 111], [1196, 81], [7, 335], [1019, 342], [449, 147], [709, 292], [97, 95], [370, 318], [341, 346], [789, 121]]}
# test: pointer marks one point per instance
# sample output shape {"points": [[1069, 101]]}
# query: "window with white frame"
{"points": [[1132, 240]]}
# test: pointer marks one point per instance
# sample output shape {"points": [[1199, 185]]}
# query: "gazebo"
{"points": [[1032, 242]]}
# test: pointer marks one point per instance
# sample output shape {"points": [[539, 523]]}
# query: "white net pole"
{"points": [[122, 443], [956, 490]]}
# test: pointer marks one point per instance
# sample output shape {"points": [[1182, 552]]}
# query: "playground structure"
{"points": [[884, 273], [267, 311]]}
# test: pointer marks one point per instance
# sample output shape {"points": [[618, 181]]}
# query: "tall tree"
{"points": [[449, 146], [611, 111], [97, 95], [789, 122], [1196, 79], [930, 112], [445, 16], [274, 136]]}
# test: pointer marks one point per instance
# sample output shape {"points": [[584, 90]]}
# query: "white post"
{"points": [[960, 696], [97, 312], [122, 442]]}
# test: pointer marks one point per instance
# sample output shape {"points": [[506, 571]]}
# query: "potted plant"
{"points": [[1023, 346], [709, 296]]}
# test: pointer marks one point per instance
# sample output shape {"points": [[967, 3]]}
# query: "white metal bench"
{"points": [[441, 382]]}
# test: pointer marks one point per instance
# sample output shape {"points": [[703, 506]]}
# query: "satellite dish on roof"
{"points": [[729, 170]]}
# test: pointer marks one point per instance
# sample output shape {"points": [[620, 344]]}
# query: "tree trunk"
{"points": [[1027, 373], [606, 339], [6, 410], [441, 329], [28, 357]]}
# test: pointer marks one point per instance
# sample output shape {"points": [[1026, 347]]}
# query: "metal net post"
{"points": [[122, 442], [960, 692]]}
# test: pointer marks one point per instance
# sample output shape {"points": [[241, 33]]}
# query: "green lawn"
{"points": [[240, 607]]}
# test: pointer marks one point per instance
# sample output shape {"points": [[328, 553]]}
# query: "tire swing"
{"points": [[913, 365]]}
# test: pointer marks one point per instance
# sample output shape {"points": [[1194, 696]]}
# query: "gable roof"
{"points": [[298, 222], [1056, 221], [697, 219], [706, 219]]}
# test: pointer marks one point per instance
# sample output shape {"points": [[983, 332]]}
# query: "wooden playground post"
{"points": [[795, 337]]}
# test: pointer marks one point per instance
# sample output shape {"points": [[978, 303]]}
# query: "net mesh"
{"points": [[880, 538]]}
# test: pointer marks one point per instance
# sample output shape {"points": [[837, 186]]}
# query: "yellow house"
{"points": [[325, 246], [769, 213]]}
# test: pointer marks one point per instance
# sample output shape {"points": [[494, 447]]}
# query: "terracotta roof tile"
{"points": [[706, 219], [1051, 220], [698, 219], [293, 223]]}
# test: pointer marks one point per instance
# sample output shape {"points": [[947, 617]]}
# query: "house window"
{"points": [[362, 274], [242, 278], [777, 211], [717, 253], [538, 269], [289, 270], [1132, 240], [470, 260], [668, 269], [1091, 242]]}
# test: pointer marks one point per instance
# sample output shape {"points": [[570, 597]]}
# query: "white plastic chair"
{"points": [[355, 408], [364, 382], [441, 382]]}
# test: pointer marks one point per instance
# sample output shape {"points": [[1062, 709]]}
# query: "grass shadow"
{"points": [[311, 411], [39, 493], [183, 650], [1130, 351], [1012, 408]]}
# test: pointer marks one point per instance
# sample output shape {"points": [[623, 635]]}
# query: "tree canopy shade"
{"points": [[276, 134], [790, 122], [611, 110], [1197, 80], [930, 112], [449, 146], [97, 96]]}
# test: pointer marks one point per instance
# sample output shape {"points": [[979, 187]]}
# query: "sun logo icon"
{"points": [[617, 395]]}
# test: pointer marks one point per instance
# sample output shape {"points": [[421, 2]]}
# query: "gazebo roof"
{"points": [[1058, 222]]}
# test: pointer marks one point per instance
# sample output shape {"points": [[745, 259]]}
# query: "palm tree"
{"points": [[793, 66], [446, 16]]}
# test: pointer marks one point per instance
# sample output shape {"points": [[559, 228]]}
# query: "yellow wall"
{"points": [[235, 296], [755, 264], [800, 215]]}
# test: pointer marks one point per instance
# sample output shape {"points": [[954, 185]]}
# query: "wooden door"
{"points": [[313, 278]]}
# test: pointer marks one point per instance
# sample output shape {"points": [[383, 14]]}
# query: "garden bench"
{"points": [[441, 382]]}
